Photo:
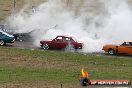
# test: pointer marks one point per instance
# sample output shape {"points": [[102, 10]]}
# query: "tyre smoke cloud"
{"points": [[94, 24]]}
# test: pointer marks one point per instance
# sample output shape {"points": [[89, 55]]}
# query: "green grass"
{"points": [[25, 75], [24, 65]]}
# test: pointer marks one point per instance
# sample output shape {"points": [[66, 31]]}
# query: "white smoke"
{"points": [[94, 28]]}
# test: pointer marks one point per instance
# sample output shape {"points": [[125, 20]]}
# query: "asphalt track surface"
{"points": [[29, 45]]}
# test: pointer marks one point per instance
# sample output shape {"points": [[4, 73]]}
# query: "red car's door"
{"points": [[58, 43], [69, 42]]}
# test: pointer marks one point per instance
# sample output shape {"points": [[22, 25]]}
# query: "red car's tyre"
{"points": [[111, 51], [45, 46]]}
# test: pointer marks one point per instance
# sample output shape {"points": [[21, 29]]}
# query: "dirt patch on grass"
{"points": [[24, 61], [21, 58]]}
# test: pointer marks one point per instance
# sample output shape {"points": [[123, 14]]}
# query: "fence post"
{"points": [[14, 2], [61, 85]]}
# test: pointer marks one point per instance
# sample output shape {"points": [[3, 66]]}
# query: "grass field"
{"points": [[24, 68], [56, 67]]}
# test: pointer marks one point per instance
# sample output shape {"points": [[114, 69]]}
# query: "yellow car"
{"points": [[124, 48]]}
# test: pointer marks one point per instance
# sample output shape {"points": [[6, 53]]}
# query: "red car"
{"points": [[60, 42]]}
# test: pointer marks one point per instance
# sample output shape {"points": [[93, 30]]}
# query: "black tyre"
{"points": [[45, 46], [111, 51], [2, 43]]}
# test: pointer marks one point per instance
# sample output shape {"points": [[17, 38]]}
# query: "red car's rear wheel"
{"points": [[45, 46]]}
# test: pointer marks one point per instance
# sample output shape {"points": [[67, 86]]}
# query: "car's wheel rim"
{"points": [[45, 46], [1, 42], [111, 52]]}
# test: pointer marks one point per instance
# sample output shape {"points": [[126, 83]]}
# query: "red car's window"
{"points": [[59, 39], [68, 39]]}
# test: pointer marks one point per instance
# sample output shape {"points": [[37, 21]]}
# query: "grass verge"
{"points": [[24, 65]]}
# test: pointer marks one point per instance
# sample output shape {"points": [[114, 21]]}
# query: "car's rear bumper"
{"points": [[13, 41], [80, 47]]}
